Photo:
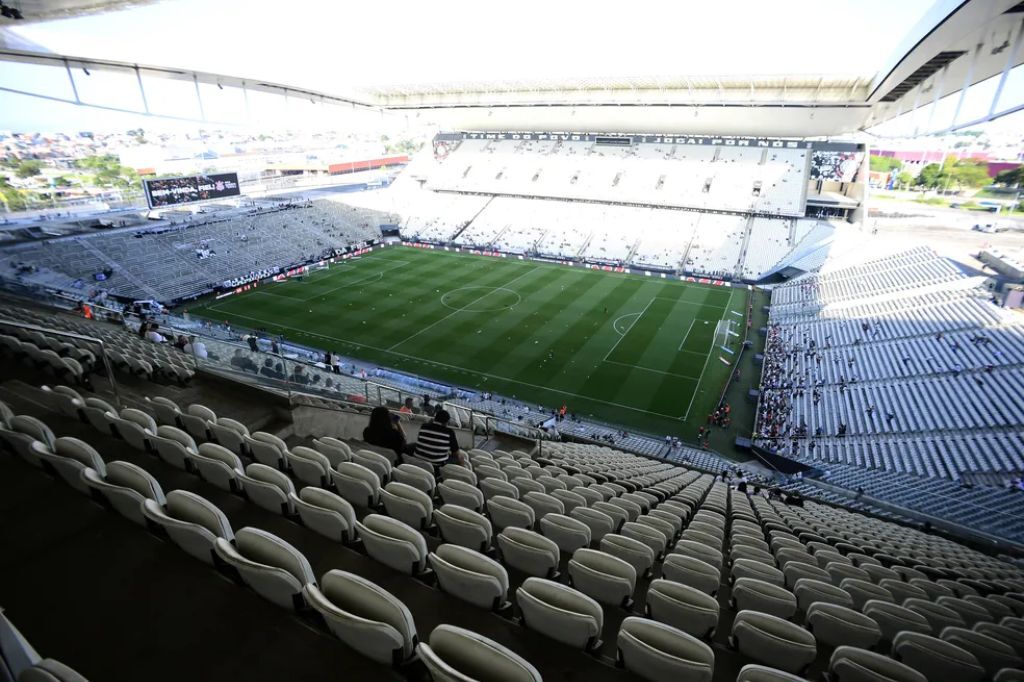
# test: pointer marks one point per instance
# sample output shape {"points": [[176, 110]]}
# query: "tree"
{"points": [[930, 176], [884, 163], [905, 179], [966, 173], [1011, 177], [29, 169], [10, 197]]}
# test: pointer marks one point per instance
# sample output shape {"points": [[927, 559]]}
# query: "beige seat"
{"points": [[366, 617], [810, 591], [599, 523], [862, 592], [661, 653], [326, 513], [526, 485], [70, 458], [469, 575], [335, 450], [529, 552], [414, 476], [542, 504], [838, 572], [938, 616], [190, 521], [458, 655], [463, 527], [616, 513], [357, 484], [375, 462], [691, 571], [268, 564], [407, 504], [393, 543], [174, 446], [931, 588], [637, 554], [126, 487], [604, 577], [902, 591], [570, 500], [219, 466], [683, 607], [796, 570], [491, 487], [268, 449], [507, 512], [749, 568], [893, 619], [995, 609], [230, 434], [773, 641], [1003, 634], [136, 428], [268, 488], [761, 673], [749, 594], [456, 472], [708, 555], [652, 537], [834, 625], [970, 612], [456, 491], [560, 612], [936, 659], [992, 654], [566, 532], [851, 664], [309, 466]]}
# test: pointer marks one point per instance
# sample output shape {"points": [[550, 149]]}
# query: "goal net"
{"points": [[725, 334]]}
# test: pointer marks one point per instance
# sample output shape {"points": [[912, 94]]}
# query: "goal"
{"points": [[725, 334]]}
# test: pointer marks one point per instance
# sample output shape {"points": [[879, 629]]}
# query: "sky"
{"points": [[337, 46]]}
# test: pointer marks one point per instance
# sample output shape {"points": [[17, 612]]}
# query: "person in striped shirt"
{"points": [[436, 442]]}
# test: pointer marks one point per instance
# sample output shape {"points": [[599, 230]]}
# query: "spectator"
{"points": [[143, 328], [154, 335], [426, 406], [196, 347], [299, 376], [251, 340], [243, 362], [180, 342], [406, 407], [437, 444], [385, 431]]}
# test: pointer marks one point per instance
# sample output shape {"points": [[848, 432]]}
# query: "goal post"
{"points": [[725, 334]]}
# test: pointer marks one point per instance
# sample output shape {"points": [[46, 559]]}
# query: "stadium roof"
{"points": [[713, 68]]}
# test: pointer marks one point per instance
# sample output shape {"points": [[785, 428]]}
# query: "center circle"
{"points": [[480, 299]]}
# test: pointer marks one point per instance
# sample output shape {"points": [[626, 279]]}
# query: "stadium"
{"points": [[612, 377]]}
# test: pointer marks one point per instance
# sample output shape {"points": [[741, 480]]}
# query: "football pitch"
{"points": [[643, 352]]}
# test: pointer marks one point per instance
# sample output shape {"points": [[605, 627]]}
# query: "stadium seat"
{"points": [[461, 493], [455, 654], [705, 553], [269, 565], [70, 458], [652, 537], [1003, 634], [637, 554], [688, 570], [414, 476], [569, 499], [862, 591], [599, 523], [529, 552], [196, 419], [469, 575], [268, 488], [459, 473], [125, 486], [560, 612], [174, 446], [336, 451], [507, 512], [935, 658], [326, 513], [760, 673], [683, 607], [366, 617], [992, 654], [568, 533], [375, 462], [100, 415], [357, 484], [852, 664], [751, 568], [393, 543], [606, 578], [219, 466], [749, 594], [810, 592], [135, 427], [617, 514], [661, 653], [493, 486], [542, 504], [893, 619], [464, 527], [309, 466], [190, 521], [166, 410], [773, 641], [407, 504], [834, 625]]}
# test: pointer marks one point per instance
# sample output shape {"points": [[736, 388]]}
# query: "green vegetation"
{"points": [[107, 172], [954, 174], [12, 198], [1011, 178], [29, 169], [637, 351], [884, 163]]}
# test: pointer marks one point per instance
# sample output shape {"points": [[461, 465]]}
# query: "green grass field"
{"points": [[631, 350]]}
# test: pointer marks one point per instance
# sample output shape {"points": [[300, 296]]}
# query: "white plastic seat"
{"points": [[219, 466], [174, 446], [674, 522], [773, 641], [632, 509], [457, 472], [491, 487], [393, 543], [604, 577], [971, 613], [458, 655], [414, 476], [357, 484], [661, 653], [309, 466], [936, 659], [708, 555], [937, 615], [683, 607], [28, 437], [542, 504], [469, 575], [893, 619], [407, 504], [616, 513], [267, 449], [1004, 634], [834, 625], [762, 673], [526, 485], [599, 523], [568, 533], [192, 522], [637, 554], [135, 427], [652, 537], [70, 458], [375, 462], [992, 654], [529, 552], [268, 488], [483, 471], [851, 664], [100, 414], [902, 591], [326, 513], [269, 565], [810, 591], [507, 512], [751, 568], [459, 492], [196, 419], [126, 486], [337, 451], [569, 499], [560, 612], [691, 571], [862, 592], [230, 434], [749, 594], [165, 409], [838, 572], [797, 570], [366, 617], [464, 527]]}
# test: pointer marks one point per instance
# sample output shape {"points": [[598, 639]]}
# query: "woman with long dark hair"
{"points": [[385, 431]]}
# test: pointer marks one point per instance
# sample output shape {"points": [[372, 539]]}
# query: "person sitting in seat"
{"points": [[153, 335], [437, 443], [243, 362], [407, 407], [385, 431]]}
